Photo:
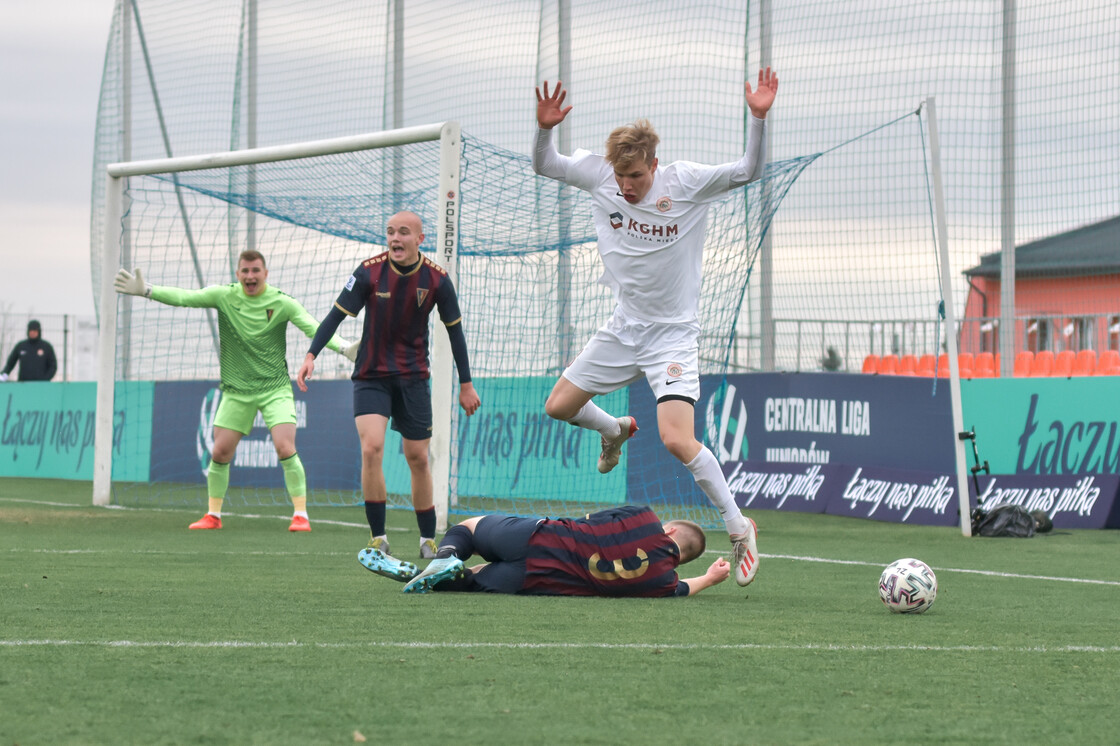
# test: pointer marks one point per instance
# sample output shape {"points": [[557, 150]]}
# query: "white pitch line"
{"points": [[265, 645], [191, 511], [182, 553], [992, 573], [794, 557]]}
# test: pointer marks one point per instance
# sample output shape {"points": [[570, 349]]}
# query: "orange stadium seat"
{"points": [[965, 364], [984, 366], [942, 366], [1108, 364], [907, 365], [925, 365], [1085, 363], [1042, 364], [871, 364], [1023, 362], [1063, 364], [888, 365]]}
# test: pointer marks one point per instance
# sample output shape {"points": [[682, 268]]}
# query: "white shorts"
{"points": [[624, 350]]}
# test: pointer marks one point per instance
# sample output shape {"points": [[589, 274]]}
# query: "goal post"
{"points": [[117, 213], [941, 225]]}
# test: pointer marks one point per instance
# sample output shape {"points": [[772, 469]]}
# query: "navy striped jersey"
{"points": [[397, 306], [621, 551]]}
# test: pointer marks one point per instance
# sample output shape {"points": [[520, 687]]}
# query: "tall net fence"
{"points": [[848, 266]]}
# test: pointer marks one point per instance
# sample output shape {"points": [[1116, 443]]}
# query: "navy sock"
{"points": [[426, 520], [375, 516], [458, 542]]}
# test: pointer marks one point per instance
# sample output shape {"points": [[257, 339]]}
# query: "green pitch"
{"points": [[120, 626]]}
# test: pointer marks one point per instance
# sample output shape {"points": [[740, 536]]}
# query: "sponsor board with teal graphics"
{"points": [[795, 421], [326, 439], [47, 430], [1045, 426], [511, 449]]}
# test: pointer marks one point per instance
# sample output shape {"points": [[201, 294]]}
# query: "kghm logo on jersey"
{"points": [[616, 220], [664, 204]]}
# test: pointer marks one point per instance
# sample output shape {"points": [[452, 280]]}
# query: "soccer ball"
{"points": [[908, 586]]}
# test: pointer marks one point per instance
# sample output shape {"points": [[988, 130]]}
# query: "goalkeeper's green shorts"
{"points": [[237, 411]]}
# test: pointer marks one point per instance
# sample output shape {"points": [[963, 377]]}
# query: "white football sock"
{"points": [[592, 417], [705, 470]]}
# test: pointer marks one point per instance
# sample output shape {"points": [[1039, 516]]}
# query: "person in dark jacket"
{"points": [[34, 355]]}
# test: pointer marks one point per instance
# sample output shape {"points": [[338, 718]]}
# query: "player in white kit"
{"points": [[651, 223]]}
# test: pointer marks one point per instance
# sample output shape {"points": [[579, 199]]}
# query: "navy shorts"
{"points": [[503, 541], [406, 402]]}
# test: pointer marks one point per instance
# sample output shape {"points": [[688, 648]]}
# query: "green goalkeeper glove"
{"points": [[350, 350], [132, 283]]}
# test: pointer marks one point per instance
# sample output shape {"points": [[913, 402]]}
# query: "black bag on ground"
{"points": [[1009, 520]]}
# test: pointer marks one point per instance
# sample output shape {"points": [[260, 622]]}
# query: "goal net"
{"points": [[525, 263]]}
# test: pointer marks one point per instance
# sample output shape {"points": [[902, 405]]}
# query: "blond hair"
{"points": [[632, 143], [690, 538]]}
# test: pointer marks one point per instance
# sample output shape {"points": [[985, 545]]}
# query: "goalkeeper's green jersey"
{"points": [[252, 332]]}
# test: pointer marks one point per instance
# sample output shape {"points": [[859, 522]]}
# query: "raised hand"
{"points": [[760, 100], [132, 283], [550, 107]]}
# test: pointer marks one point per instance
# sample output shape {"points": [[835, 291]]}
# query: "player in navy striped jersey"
{"points": [[650, 223], [620, 551], [398, 289]]}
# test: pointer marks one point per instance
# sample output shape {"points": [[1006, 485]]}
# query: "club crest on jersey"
{"points": [[268, 313], [421, 294], [616, 220], [675, 370], [664, 204]]}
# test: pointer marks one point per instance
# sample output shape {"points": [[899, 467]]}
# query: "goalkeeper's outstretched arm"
{"points": [[132, 283], [306, 323]]}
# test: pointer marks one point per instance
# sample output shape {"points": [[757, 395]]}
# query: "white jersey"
{"points": [[652, 251]]}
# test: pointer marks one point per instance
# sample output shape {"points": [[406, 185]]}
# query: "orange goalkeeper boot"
{"points": [[299, 523], [207, 521]]}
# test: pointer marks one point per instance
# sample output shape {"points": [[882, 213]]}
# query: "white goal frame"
{"points": [[447, 247]]}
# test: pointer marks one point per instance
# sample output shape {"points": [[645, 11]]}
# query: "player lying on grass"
{"points": [[622, 551], [650, 223], [252, 328]]}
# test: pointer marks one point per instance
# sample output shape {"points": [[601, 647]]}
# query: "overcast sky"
{"points": [[51, 56]]}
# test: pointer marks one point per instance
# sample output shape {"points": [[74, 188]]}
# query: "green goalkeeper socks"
{"points": [[217, 480], [295, 478]]}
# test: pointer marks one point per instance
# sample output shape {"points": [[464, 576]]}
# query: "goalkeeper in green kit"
{"points": [[252, 328]]}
